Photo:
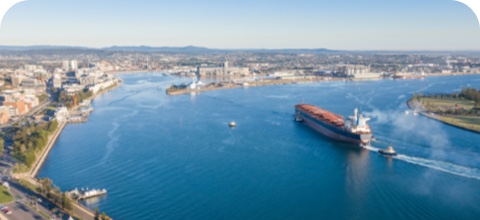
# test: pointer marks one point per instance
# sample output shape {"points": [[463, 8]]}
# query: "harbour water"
{"points": [[174, 157]]}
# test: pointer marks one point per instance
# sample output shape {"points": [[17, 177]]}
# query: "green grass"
{"points": [[444, 102], [20, 168], [5, 196], [27, 184], [469, 123]]}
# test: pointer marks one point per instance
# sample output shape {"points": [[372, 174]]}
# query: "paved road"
{"points": [[41, 106], [21, 211], [46, 206], [22, 197]]}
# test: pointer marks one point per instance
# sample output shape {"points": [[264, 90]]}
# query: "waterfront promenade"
{"points": [[30, 176], [51, 141]]}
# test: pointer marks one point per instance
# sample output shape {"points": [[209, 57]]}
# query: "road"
{"points": [[41, 106], [22, 211]]}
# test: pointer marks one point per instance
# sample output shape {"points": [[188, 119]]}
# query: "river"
{"points": [[174, 157]]}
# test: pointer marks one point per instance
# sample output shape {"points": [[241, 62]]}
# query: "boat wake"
{"points": [[447, 167]]}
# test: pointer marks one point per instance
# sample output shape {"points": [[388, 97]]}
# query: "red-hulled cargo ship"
{"points": [[354, 129]]}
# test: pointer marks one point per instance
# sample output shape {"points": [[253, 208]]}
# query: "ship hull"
{"points": [[331, 131]]}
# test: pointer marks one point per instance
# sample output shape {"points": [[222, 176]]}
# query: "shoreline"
{"points": [[31, 175], [43, 155], [259, 84], [427, 114], [307, 79]]}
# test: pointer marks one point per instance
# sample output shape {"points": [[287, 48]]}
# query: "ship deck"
{"points": [[323, 115]]}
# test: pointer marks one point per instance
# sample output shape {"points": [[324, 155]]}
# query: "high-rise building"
{"points": [[57, 81], [66, 65], [73, 65]]}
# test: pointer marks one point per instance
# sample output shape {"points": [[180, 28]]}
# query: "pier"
{"points": [[85, 194]]}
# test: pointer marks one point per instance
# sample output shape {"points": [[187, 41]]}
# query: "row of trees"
{"points": [[471, 94], [55, 195], [467, 93], [63, 96], [31, 139], [437, 95], [61, 199]]}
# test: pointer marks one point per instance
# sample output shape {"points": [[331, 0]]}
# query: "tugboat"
{"points": [[232, 124], [388, 152]]}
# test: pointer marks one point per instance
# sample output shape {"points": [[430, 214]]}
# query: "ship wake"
{"points": [[447, 167]]}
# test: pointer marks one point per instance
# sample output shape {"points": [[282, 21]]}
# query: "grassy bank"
{"points": [[5, 196], [455, 112], [465, 122]]}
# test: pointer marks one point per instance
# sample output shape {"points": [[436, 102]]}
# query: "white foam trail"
{"points": [[458, 170], [442, 166]]}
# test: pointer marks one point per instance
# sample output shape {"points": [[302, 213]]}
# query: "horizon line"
{"points": [[246, 49]]}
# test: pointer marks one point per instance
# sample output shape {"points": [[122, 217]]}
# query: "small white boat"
{"points": [[232, 124]]}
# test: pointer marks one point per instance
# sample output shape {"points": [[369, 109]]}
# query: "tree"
{"points": [[2, 146], [104, 216], [46, 185], [97, 215]]}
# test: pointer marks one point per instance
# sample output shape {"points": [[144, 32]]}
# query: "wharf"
{"points": [[85, 194], [231, 85]]}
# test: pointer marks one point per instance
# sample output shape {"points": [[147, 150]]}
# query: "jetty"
{"points": [[82, 194]]}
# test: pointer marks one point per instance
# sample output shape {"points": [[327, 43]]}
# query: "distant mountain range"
{"points": [[148, 49], [195, 49]]}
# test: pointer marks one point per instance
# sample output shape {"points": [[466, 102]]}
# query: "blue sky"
{"points": [[333, 24]]}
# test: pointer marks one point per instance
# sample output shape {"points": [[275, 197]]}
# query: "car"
{"points": [[7, 211], [4, 208]]}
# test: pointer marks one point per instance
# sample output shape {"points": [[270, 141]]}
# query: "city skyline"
{"points": [[340, 25]]}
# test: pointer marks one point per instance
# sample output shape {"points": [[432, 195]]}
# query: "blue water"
{"points": [[174, 157]]}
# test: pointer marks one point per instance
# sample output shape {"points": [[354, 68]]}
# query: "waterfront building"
{"points": [[357, 72], [73, 88], [222, 70], [88, 80], [61, 114]]}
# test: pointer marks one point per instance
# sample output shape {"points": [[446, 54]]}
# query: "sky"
{"points": [[245, 24]]}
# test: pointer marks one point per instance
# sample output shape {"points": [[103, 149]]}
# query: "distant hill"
{"points": [[39, 47], [188, 49], [194, 49], [45, 49], [148, 49]]}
